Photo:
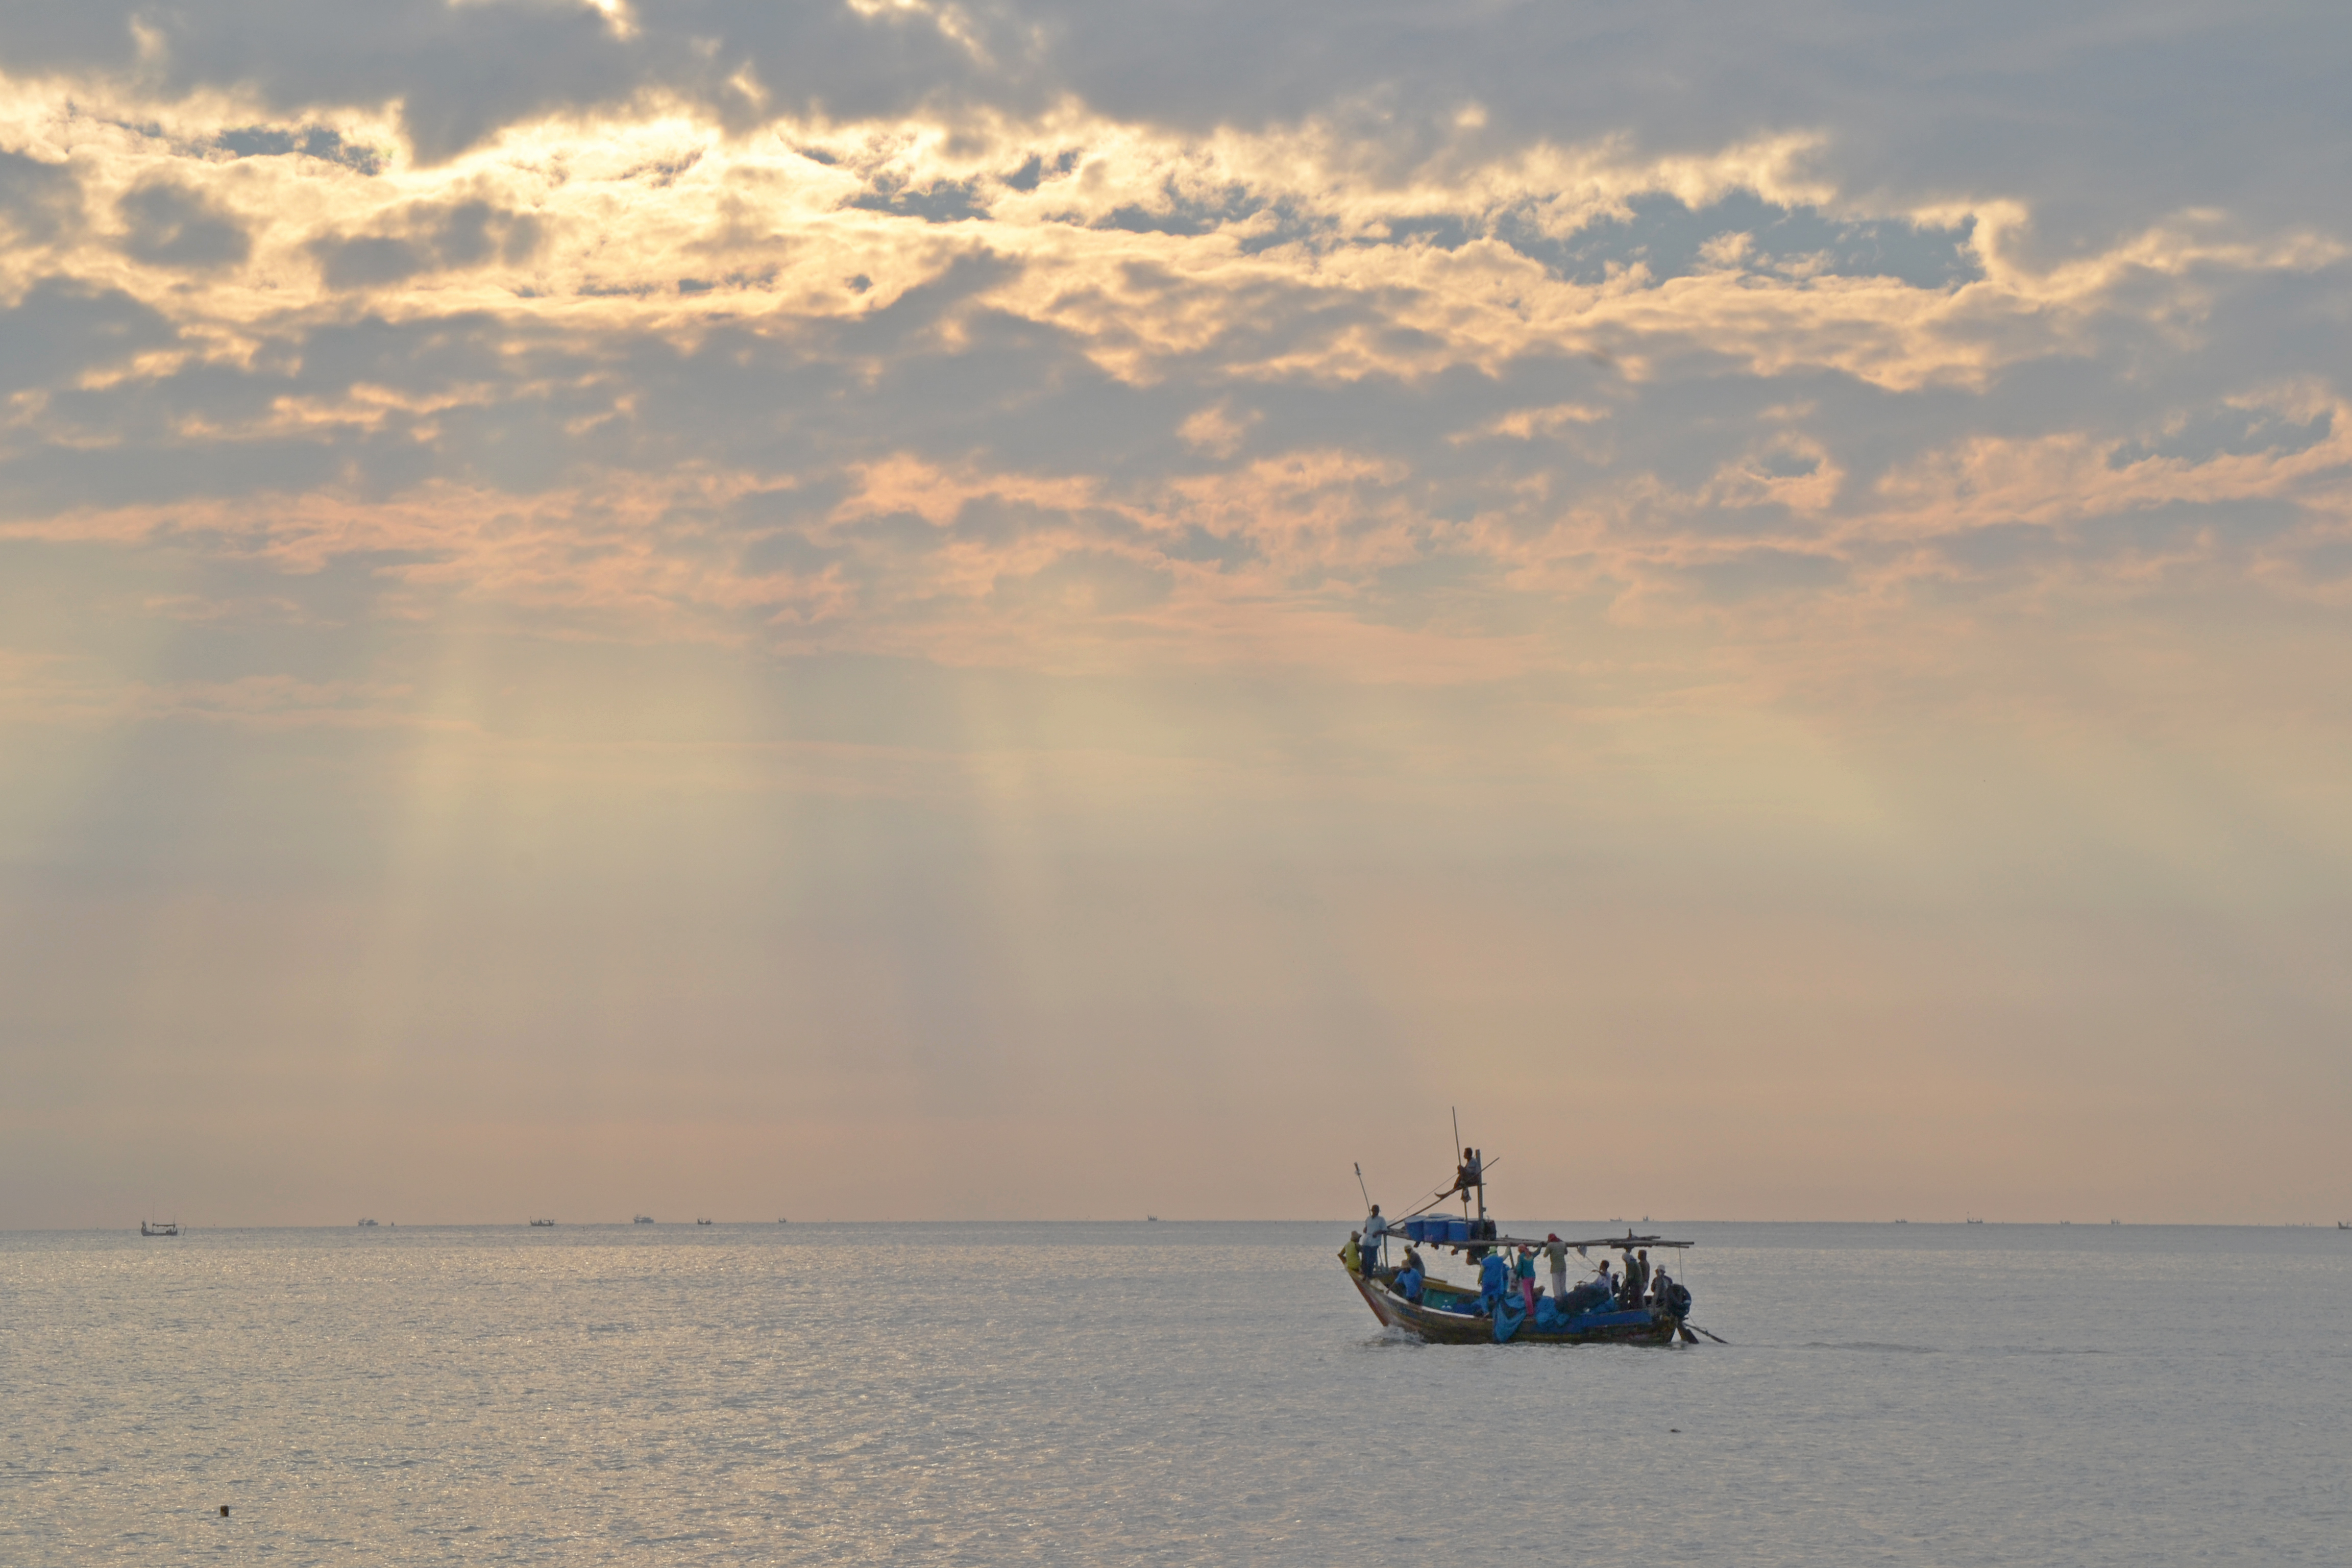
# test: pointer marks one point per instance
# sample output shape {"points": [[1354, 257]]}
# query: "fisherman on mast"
{"points": [[1471, 1175]]}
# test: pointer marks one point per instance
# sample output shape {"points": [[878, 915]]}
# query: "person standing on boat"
{"points": [[1526, 1270], [1493, 1279], [1350, 1256], [1637, 1277], [1375, 1230], [1605, 1281], [1556, 1253]]}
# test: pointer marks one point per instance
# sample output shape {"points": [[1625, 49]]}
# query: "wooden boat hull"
{"points": [[1636, 1325]]}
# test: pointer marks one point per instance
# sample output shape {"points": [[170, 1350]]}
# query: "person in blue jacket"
{"points": [[1409, 1278], [1494, 1279]]}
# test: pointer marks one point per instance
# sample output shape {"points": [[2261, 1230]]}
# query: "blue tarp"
{"points": [[1587, 1297], [1587, 1307]]}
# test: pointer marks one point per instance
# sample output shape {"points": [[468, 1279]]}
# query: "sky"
{"points": [[892, 609]]}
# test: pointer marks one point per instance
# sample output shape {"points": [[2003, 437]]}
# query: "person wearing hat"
{"points": [[1524, 1268], [1556, 1253], [1349, 1255], [1411, 1277]]}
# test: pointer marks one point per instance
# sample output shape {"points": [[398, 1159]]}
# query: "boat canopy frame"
{"points": [[1628, 1242]]}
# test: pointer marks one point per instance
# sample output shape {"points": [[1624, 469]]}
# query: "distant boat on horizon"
{"points": [[1153, 1218], [367, 1225], [1973, 1220], [643, 1219], [702, 1222], [159, 1227], [542, 1222]]}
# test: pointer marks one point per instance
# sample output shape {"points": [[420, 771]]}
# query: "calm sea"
{"points": [[1170, 1392]]}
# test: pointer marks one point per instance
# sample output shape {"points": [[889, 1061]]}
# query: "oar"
{"points": [[1710, 1333]]}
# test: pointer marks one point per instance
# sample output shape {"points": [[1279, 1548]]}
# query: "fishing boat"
{"points": [[159, 1227], [702, 1222], [643, 1219], [367, 1225], [542, 1222], [1451, 1314], [1442, 1312]]}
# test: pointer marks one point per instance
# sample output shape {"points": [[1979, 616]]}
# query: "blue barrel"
{"points": [[1457, 1230], [1414, 1230]]}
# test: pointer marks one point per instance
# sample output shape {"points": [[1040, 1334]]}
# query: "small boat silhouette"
{"points": [[159, 1227], [643, 1219]]}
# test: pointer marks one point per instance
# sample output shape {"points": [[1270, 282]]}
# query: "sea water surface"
{"points": [[1161, 1393]]}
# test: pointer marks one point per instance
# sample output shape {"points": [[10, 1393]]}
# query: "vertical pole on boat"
{"points": [[1457, 1152], [1369, 1241]]}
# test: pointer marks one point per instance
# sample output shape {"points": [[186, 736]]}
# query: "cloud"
{"points": [[39, 202], [1376, 351], [425, 237], [169, 224], [62, 330]]}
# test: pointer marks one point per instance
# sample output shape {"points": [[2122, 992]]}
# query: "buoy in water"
{"points": [[224, 1510]]}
